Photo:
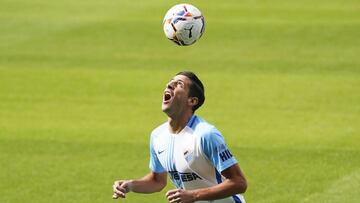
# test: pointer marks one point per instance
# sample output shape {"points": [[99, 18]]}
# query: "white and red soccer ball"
{"points": [[184, 24]]}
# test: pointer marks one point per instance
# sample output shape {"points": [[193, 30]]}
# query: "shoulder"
{"points": [[204, 129]]}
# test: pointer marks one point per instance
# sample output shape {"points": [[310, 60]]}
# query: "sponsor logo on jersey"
{"points": [[185, 177], [161, 151], [225, 155]]}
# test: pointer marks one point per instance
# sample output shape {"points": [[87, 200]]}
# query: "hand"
{"points": [[180, 196], [120, 188]]}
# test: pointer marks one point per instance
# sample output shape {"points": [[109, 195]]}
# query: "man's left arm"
{"points": [[234, 183]]}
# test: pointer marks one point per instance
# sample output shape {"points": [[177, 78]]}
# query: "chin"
{"points": [[164, 108]]}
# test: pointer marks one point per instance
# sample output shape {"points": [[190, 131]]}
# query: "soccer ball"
{"points": [[184, 24]]}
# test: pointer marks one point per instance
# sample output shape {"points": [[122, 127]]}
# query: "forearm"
{"points": [[220, 191], [147, 184]]}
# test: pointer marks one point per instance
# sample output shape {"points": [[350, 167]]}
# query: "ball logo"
{"points": [[190, 35]]}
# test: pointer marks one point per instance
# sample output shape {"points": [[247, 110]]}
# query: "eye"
{"points": [[181, 84]]}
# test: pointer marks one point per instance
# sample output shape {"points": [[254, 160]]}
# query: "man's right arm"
{"points": [[152, 182]]}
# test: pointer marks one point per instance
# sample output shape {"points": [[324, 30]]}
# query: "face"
{"points": [[176, 95]]}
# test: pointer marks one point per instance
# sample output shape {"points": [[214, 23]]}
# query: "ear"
{"points": [[193, 101]]}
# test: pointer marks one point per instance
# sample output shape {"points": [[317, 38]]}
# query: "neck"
{"points": [[177, 123]]}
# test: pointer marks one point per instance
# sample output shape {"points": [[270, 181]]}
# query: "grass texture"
{"points": [[81, 87]]}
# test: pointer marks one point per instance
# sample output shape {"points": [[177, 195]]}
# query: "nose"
{"points": [[171, 85]]}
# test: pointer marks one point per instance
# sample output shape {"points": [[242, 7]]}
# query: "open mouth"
{"points": [[167, 96]]}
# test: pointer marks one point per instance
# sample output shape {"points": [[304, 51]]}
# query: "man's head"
{"points": [[184, 91], [196, 88]]}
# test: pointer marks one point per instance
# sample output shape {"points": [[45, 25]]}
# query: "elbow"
{"points": [[159, 182], [241, 186], [160, 187]]}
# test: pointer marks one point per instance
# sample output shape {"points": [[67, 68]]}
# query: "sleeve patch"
{"points": [[225, 155]]}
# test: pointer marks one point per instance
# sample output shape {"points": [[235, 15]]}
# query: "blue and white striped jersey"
{"points": [[194, 158]]}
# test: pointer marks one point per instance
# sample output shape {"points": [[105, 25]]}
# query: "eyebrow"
{"points": [[177, 80]]}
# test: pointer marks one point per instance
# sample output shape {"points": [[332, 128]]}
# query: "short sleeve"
{"points": [[154, 164], [214, 147]]}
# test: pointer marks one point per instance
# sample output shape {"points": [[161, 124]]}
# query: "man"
{"points": [[190, 150]]}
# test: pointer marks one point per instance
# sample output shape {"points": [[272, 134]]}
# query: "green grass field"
{"points": [[81, 87]]}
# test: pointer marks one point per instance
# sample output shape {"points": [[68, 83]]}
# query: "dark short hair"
{"points": [[196, 88]]}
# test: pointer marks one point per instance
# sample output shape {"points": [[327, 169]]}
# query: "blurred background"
{"points": [[81, 87]]}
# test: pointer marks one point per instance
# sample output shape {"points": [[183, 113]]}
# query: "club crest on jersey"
{"points": [[188, 155]]}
